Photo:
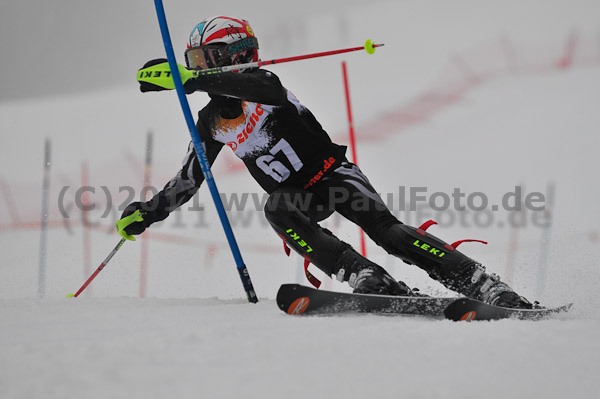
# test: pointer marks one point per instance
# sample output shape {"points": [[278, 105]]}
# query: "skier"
{"points": [[307, 175]]}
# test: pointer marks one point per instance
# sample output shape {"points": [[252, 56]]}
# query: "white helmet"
{"points": [[220, 41]]}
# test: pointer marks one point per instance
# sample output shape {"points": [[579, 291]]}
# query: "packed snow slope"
{"points": [[509, 117]]}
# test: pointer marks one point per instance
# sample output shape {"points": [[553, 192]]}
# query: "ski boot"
{"points": [[366, 277], [490, 289]]}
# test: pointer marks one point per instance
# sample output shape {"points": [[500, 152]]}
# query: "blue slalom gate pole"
{"points": [[201, 153]]}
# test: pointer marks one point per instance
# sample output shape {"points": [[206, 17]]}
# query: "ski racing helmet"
{"points": [[221, 41]]}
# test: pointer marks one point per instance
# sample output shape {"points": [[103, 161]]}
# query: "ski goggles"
{"points": [[214, 55]]}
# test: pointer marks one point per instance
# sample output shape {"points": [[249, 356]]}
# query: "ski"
{"points": [[297, 299], [466, 309]]}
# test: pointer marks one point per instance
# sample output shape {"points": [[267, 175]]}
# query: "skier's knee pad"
{"points": [[440, 260]]}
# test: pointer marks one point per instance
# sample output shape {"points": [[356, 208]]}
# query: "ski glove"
{"points": [[134, 227], [189, 86]]}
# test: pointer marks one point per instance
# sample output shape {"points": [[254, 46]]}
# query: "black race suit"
{"points": [[308, 178]]}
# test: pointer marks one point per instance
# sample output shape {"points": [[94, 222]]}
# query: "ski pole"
{"points": [[176, 82], [160, 74], [137, 217], [99, 269]]}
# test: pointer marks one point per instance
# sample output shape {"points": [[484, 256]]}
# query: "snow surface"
{"points": [[184, 348], [510, 123]]}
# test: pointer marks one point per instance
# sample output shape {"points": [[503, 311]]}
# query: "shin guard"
{"points": [[439, 259]]}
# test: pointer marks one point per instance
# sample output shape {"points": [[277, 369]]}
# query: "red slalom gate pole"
{"points": [[567, 59], [363, 244]]}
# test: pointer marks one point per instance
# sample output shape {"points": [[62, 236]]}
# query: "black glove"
{"points": [[136, 228], [189, 86], [145, 86]]}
